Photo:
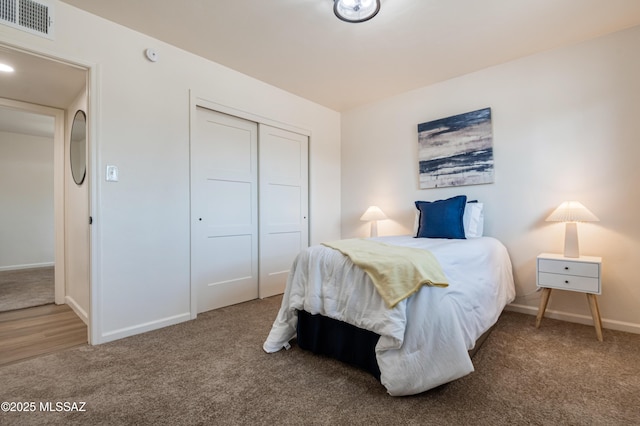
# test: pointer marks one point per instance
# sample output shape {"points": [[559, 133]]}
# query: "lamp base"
{"points": [[374, 228], [571, 248]]}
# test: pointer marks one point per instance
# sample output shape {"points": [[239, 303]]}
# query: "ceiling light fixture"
{"points": [[356, 10], [5, 68]]}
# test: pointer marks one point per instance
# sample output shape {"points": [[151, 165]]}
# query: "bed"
{"points": [[420, 343]]}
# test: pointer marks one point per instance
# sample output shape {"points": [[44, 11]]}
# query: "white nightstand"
{"points": [[582, 274]]}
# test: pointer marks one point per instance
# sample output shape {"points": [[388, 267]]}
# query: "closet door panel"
{"points": [[224, 208], [284, 224], [285, 206]]}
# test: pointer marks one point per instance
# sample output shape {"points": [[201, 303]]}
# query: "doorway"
{"points": [[49, 87], [28, 151]]}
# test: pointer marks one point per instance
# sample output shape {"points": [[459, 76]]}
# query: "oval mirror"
{"points": [[78, 147]]}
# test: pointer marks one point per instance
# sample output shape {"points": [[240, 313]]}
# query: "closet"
{"points": [[249, 208]]}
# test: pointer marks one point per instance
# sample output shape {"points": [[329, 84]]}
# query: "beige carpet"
{"points": [[24, 288], [213, 371]]}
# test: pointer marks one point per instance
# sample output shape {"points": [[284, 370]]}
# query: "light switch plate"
{"points": [[112, 173]]}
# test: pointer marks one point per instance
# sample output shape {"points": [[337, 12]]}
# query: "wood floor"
{"points": [[31, 332]]}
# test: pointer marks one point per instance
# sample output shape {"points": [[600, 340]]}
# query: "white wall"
{"points": [[141, 124], [26, 201], [77, 240], [565, 127]]}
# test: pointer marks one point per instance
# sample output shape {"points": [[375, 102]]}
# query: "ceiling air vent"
{"points": [[35, 17]]}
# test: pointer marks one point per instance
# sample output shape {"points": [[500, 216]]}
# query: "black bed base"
{"points": [[345, 342], [339, 340]]}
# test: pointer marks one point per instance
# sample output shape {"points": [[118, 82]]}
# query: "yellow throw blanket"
{"points": [[396, 271]]}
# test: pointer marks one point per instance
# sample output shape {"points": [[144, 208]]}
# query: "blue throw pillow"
{"points": [[442, 218]]}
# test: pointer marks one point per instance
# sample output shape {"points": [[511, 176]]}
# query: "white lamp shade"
{"points": [[572, 211], [373, 213]]}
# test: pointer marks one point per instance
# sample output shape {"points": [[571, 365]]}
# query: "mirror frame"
{"points": [[78, 165]]}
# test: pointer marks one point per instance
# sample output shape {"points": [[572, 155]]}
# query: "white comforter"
{"points": [[424, 340]]}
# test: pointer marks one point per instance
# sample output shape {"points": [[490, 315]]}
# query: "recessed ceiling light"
{"points": [[5, 68]]}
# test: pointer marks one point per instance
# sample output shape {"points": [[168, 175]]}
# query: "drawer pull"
{"points": [[566, 281], [566, 268]]}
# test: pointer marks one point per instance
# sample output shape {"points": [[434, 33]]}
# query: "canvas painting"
{"points": [[456, 150]]}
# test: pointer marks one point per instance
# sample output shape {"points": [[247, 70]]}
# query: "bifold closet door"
{"points": [[284, 205], [224, 208]]}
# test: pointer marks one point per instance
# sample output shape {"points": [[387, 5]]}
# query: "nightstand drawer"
{"points": [[569, 282], [569, 268]]}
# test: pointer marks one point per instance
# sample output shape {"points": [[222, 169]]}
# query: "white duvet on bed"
{"points": [[424, 340]]}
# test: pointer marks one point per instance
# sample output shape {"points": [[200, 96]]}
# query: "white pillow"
{"points": [[473, 220]]}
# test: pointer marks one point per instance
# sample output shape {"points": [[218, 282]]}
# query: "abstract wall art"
{"points": [[456, 150]]}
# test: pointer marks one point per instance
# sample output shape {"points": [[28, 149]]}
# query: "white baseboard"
{"points": [[84, 316], [579, 319], [26, 266], [143, 328]]}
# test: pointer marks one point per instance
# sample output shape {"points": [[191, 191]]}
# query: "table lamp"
{"points": [[571, 212], [373, 215]]}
